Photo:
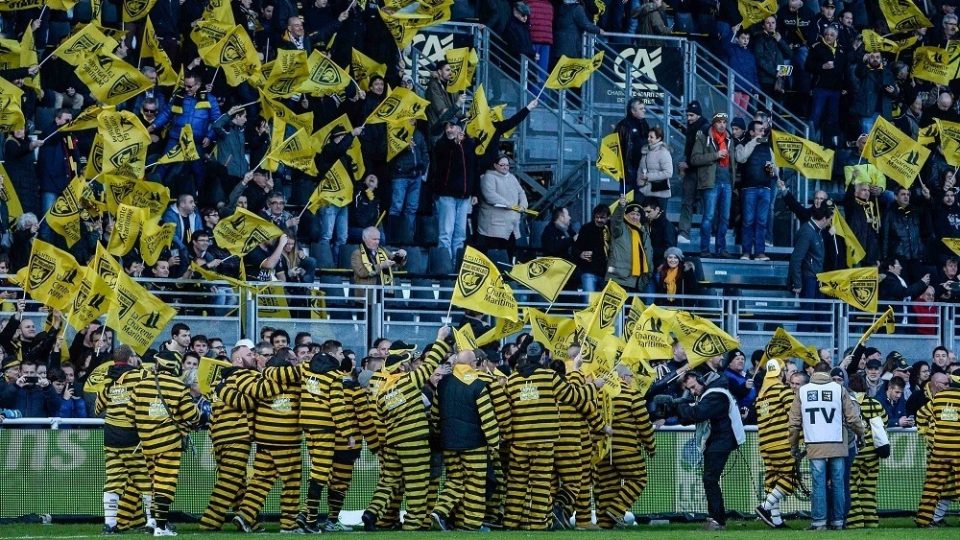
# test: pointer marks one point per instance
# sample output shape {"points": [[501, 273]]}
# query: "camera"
{"points": [[396, 258], [763, 140]]}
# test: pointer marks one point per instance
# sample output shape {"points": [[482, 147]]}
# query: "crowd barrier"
{"points": [[60, 472]]}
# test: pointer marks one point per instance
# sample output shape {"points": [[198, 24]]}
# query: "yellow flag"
{"points": [[950, 141], [464, 338], [363, 68], [953, 244], [272, 302], [700, 338], [856, 286], [503, 328], [11, 112], [607, 309], [97, 380], [933, 64], [297, 151], [105, 265], [903, 16], [14, 208], [636, 309], [324, 76], [86, 40], [342, 125], [480, 287], [887, 322], [207, 33], [219, 10], [184, 150], [480, 121], [154, 238], [64, 215], [110, 79], [874, 42], [573, 72], [650, 338], [136, 315], [126, 230], [463, 62], [855, 251], [865, 173], [755, 11], [243, 231], [18, 5], [403, 27], [783, 345], [166, 75], [125, 143], [400, 105], [894, 153], [28, 57], [552, 331], [273, 110], [610, 157], [288, 74], [51, 275], [87, 119], [236, 55], [804, 156], [335, 188], [134, 10], [546, 275], [210, 275], [399, 137], [92, 299], [151, 196], [928, 135], [10, 53], [209, 373]]}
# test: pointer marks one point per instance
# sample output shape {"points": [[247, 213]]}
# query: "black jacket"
{"points": [[663, 235], [713, 408], [807, 256], [591, 238], [489, 157], [827, 79], [770, 53], [460, 426], [455, 168], [900, 234], [557, 242]]}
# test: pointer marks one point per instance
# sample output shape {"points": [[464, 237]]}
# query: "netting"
{"points": [[60, 472]]}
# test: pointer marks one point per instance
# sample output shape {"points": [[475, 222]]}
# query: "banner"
{"points": [[480, 287], [546, 275], [903, 16], [610, 157], [857, 286], [894, 152], [241, 232], [806, 157], [573, 72], [136, 315]]}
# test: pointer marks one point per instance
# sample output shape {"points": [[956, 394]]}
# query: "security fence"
{"points": [[60, 472]]}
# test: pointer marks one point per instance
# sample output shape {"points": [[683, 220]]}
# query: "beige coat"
{"points": [[658, 163], [498, 193], [851, 422]]}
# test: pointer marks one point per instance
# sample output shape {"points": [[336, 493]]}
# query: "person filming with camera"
{"points": [[757, 176]]}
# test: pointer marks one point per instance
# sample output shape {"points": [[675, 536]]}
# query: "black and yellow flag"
{"points": [[86, 119], [342, 125], [858, 287], [126, 230], [336, 188], [151, 196], [636, 309], [324, 76], [887, 322], [804, 156], [481, 288], [296, 151], [288, 72], [29, 57], [136, 315], [400, 105], [573, 72], [480, 121], [363, 68], [464, 339], [64, 215], [463, 62], [105, 265], [274, 110], [184, 150], [50, 276], [236, 55], [399, 137], [650, 335], [92, 299], [755, 11], [9, 193], [933, 64], [125, 143], [610, 157], [546, 275], [700, 338], [783, 345], [949, 141], [209, 373], [874, 42], [154, 238], [503, 329], [88, 40], [110, 79], [11, 112], [855, 251], [903, 16], [134, 10], [243, 231], [953, 244], [553, 331], [19, 5], [10, 53], [166, 75], [894, 152], [606, 309], [207, 33]]}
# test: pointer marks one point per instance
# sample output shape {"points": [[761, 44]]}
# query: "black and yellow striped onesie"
{"points": [[866, 468], [939, 421], [231, 431], [496, 455], [405, 448], [163, 413], [276, 432], [361, 419], [622, 475], [779, 479], [127, 480], [534, 424], [573, 456]]}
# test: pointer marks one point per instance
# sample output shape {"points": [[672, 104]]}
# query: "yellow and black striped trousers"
{"points": [[127, 476], [464, 486], [621, 478], [404, 470], [779, 471], [588, 477], [341, 476], [269, 463], [230, 482], [130, 510], [863, 492], [496, 484], [164, 470], [941, 482], [320, 448], [529, 480]]}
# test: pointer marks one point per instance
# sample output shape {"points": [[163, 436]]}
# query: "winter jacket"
{"points": [[827, 79], [742, 61], [72, 408], [687, 284], [651, 19], [663, 235], [715, 409], [807, 256], [36, 402], [171, 215], [690, 132], [794, 26], [517, 37], [19, 162], [442, 104], [593, 239], [851, 422], [633, 135], [900, 234], [704, 158], [541, 21], [619, 266], [365, 210], [658, 164], [556, 242], [230, 150], [871, 97], [455, 168], [856, 216], [769, 54], [53, 168], [413, 161], [569, 24], [500, 190], [198, 113], [753, 157]]}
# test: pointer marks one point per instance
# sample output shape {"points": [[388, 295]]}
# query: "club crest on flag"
{"points": [[42, 268], [257, 237], [609, 308], [125, 302], [778, 346], [124, 85], [790, 150], [864, 290], [472, 276], [709, 345], [569, 73], [883, 143]]}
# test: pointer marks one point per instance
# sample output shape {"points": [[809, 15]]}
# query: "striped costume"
{"points": [[573, 457], [866, 468], [360, 418], [939, 421], [779, 478]]}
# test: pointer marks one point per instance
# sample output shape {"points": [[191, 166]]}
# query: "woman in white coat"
{"points": [[502, 202], [656, 167]]}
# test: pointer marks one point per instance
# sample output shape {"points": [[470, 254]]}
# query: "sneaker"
{"points": [[483, 528], [369, 521], [705, 254], [309, 527], [493, 522], [725, 255], [765, 516], [617, 520], [768, 243], [242, 525], [762, 257], [712, 525], [295, 530], [336, 526], [682, 239], [165, 531], [439, 520], [745, 257], [107, 529]]}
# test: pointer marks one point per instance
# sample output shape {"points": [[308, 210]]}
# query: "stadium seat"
{"points": [[400, 234], [439, 263], [428, 231], [323, 254], [416, 261]]}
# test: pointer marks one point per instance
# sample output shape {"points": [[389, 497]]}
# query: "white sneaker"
{"points": [[682, 239], [163, 532]]}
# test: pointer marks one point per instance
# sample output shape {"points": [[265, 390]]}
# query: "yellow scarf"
{"points": [[833, 48], [465, 373], [670, 279], [638, 257], [388, 379], [386, 277], [872, 213]]}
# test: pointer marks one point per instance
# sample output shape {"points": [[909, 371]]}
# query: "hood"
{"points": [[719, 381], [114, 372], [324, 363], [527, 368], [821, 378]]}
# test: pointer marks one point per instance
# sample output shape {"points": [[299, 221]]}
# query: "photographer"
{"points": [[35, 398], [719, 431], [71, 404], [372, 264], [758, 173]]}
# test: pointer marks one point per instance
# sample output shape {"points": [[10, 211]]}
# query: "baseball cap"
{"points": [[874, 364]]}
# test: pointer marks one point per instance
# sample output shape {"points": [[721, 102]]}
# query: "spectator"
{"points": [[828, 65], [276, 212], [18, 161], [695, 123], [269, 261], [926, 390], [630, 262], [806, 261], [408, 172], [650, 17], [757, 173], [741, 383], [557, 238], [502, 204], [590, 249], [876, 91], [365, 210], [541, 31], [444, 106], [862, 211], [230, 152], [71, 405], [895, 404], [570, 23], [655, 167], [771, 51], [372, 264], [743, 62], [946, 221], [663, 234], [632, 131], [926, 315], [947, 282], [517, 36], [715, 168], [57, 159], [253, 189], [900, 234], [183, 214], [454, 185], [35, 397], [676, 277], [894, 287]]}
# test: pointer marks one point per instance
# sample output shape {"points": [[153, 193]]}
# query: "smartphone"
{"points": [[31, 380], [174, 252]]}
